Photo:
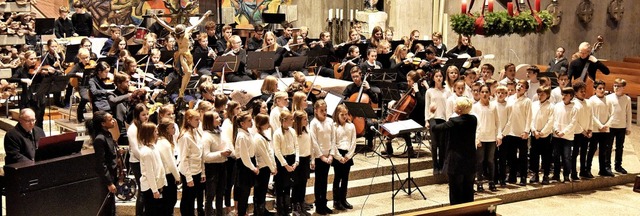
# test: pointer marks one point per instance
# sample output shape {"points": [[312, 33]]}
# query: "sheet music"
{"points": [[332, 101], [395, 127]]}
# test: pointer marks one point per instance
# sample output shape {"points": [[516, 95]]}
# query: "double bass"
{"points": [[360, 122]]}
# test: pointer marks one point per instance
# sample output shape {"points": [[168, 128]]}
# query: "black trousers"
{"points": [[341, 177], [460, 188], [283, 183], [214, 187], [152, 206], [300, 177], [170, 195], [562, 151], [438, 146], [604, 157], [260, 191], [618, 134], [230, 166], [321, 180], [38, 106], [190, 194], [516, 155], [135, 168], [541, 149], [580, 144], [246, 180]]}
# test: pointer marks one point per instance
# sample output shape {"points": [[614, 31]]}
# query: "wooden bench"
{"points": [[478, 207], [621, 64], [632, 59]]}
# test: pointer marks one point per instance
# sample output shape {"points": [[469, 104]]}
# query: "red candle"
{"points": [[464, 6], [510, 8], [490, 5], [538, 5]]}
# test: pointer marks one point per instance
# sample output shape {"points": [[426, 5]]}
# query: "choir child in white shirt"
{"points": [[516, 133], [281, 103], [287, 159], [488, 134], [582, 133], [556, 93], [302, 172], [469, 79], [475, 91], [215, 153], [458, 91], [153, 178], [564, 121], [600, 127], [486, 72], [509, 74], [321, 133], [620, 120], [435, 102], [266, 162], [343, 152], [541, 128], [140, 116], [247, 168], [232, 109], [501, 106], [534, 83], [190, 163], [452, 76], [166, 146]]}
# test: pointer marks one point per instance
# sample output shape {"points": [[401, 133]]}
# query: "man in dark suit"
{"points": [[461, 152], [21, 142]]}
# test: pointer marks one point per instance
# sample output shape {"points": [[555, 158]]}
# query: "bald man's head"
{"points": [[27, 119]]}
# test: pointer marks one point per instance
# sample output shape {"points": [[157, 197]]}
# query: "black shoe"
{"points": [[586, 175], [327, 210], [321, 211], [338, 206], [555, 178], [479, 188], [534, 179], [346, 204], [502, 183], [511, 180], [523, 181], [606, 173], [492, 187], [621, 170], [566, 179], [545, 180], [574, 177]]}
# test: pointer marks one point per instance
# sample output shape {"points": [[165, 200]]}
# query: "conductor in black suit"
{"points": [[461, 152]]}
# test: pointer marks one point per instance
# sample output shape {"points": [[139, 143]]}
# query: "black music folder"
{"points": [[360, 109], [58, 146], [262, 61], [293, 63], [228, 63]]}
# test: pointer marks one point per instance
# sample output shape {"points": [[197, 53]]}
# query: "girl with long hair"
{"points": [[190, 161], [265, 162], [140, 116], [166, 146], [343, 152], [247, 167], [153, 178], [287, 155], [300, 176], [215, 153]]}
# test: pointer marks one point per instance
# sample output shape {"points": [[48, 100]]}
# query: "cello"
{"points": [[361, 97], [402, 108]]}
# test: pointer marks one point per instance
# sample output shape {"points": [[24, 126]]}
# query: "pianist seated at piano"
{"points": [[21, 141]]}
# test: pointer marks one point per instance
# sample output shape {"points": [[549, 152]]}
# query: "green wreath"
{"points": [[501, 24]]}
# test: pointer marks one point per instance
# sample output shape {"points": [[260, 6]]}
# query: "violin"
{"points": [[309, 87]]}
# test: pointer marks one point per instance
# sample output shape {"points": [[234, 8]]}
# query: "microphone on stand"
{"points": [[373, 128]]}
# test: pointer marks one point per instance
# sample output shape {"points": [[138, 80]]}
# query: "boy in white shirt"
{"points": [[620, 119], [486, 72], [501, 107], [541, 128], [582, 132], [600, 127], [556, 93], [509, 74], [564, 121], [516, 133], [532, 78]]}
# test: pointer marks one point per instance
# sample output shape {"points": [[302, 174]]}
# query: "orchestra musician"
{"points": [[300, 49], [119, 104], [55, 58], [149, 43], [324, 43], [29, 75], [234, 48], [98, 88], [170, 43], [402, 61], [269, 44], [358, 27], [183, 56], [115, 34], [212, 37], [354, 88], [586, 61], [441, 48], [257, 40], [221, 45], [414, 36], [287, 32], [376, 37], [464, 47], [121, 44], [388, 35], [83, 71], [204, 64], [371, 62], [352, 59]]}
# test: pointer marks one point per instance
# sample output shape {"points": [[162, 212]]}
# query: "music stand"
{"points": [[317, 57], [225, 64], [72, 50], [458, 62], [49, 85], [292, 63], [403, 127], [395, 44], [384, 75], [261, 61], [44, 26], [389, 90], [360, 109], [166, 55], [133, 48], [384, 59], [273, 18], [58, 146]]}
